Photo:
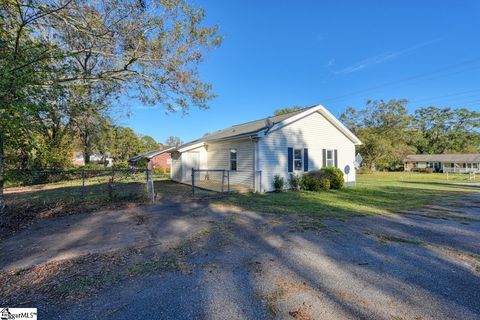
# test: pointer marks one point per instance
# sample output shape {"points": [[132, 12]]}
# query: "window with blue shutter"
{"points": [[305, 159], [290, 160]]}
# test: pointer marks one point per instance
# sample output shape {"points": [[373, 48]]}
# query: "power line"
{"points": [[455, 98], [418, 76]]}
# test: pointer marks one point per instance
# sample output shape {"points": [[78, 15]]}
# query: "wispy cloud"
{"points": [[382, 58], [330, 63]]}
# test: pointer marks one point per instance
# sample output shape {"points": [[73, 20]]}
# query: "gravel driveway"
{"points": [[423, 264]]}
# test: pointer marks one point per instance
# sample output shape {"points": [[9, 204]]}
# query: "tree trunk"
{"points": [[86, 156], [2, 202], [86, 147]]}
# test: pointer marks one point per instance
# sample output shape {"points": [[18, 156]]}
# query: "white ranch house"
{"points": [[462, 163], [256, 151]]}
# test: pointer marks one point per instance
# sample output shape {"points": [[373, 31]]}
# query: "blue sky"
{"points": [[279, 53]]}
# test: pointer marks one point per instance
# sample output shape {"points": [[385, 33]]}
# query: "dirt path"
{"points": [[72, 236], [226, 264]]}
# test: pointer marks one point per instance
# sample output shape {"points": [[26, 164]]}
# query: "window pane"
{"points": [[298, 154], [297, 159], [233, 159], [329, 163], [298, 164], [233, 154], [329, 154]]}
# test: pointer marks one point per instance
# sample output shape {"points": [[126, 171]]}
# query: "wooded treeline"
{"points": [[65, 63], [389, 132]]}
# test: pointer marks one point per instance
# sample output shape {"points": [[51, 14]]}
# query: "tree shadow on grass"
{"points": [[351, 201]]}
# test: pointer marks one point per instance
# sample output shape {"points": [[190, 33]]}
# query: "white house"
{"points": [[256, 151], [462, 163]]}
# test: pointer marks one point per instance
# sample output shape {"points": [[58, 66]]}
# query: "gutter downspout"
{"points": [[255, 163]]}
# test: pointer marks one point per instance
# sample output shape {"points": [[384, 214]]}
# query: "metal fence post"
{"points": [[193, 182], [150, 185], [228, 181], [83, 183], [223, 180]]}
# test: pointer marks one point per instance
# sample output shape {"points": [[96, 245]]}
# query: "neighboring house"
{"points": [[154, 159], [94, 158], [256, 151], [443, 162]]}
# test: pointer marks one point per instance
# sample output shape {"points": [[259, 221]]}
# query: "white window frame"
{"points": [[295, 159], [233, 150], [332, 164]]}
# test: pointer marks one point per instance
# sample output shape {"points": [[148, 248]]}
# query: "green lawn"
{"points": [[376, 193]]}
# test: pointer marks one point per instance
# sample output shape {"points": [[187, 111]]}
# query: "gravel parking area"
{"points": [[232, 264]]}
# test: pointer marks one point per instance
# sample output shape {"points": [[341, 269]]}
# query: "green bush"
{"points": [[161, 170], [120, 165], [325, 184], [294, 181], [335, 176], [310, 183], [92, 166], [278, 183]]}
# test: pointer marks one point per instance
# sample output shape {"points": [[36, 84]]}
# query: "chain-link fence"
{"points": [[204, 180], [44, 187]]}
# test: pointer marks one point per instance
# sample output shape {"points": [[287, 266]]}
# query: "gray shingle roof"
{"points": [[444, 157], [245, 128], [149, 154]]}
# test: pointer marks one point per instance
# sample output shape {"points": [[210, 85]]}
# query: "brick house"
{"points": [[154, 159]]}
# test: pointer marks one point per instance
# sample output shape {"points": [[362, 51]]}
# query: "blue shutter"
{"points": [[324, 157], [305, 159], [290, 159], [335, 158]]}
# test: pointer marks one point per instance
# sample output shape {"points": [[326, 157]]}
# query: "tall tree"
{"points": [[279, 112], [173, 141], [148, 49], [442, 130], [148, 143], [383, 128]]}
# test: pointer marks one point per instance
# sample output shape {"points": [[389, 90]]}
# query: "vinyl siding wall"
{"points": [[182, 166], [219, 158], [176, 167], [314, 132]]}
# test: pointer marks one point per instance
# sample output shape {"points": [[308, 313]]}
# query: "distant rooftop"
{"points": [[454, 157], [150, 154]]}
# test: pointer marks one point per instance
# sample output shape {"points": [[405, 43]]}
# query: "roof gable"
{"points": [[325, 113]]}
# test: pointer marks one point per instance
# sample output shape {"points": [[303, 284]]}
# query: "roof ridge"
{"points": [[268, 117]]}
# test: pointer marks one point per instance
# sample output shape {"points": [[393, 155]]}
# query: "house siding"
{"points": [[219, 158], [176, 167], [314, 132], [182, 164]]}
